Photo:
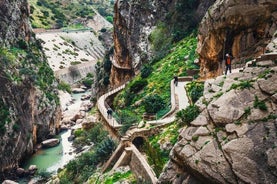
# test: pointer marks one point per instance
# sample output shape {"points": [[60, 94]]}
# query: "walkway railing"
{"points": [[103, 106]]}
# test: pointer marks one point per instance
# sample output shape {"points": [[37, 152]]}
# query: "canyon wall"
{"points": [[29, 104], [240, 28], [233, 140], [134, 22]]}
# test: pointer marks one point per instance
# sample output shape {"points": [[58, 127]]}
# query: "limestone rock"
{"points": [[269, 87], [231, 26], [201, 131], [227, 108], [239, 129], [87, 124], [237, 151], [201, 120], [272, 157], [134, 24], [9, 182], [50, 143], [20, 171], [32, 169], [265, 63], [78, 90]]}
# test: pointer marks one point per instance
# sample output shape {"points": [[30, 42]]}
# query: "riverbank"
{"points": [[49, 160]]}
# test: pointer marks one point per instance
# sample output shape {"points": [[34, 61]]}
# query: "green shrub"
{"points": [[242, 85], [4, 116], [127, 119], [138, 85], [64, 86], [78, 132], [75, 62], [87, 82], [146, 70], [109, 19], [87, 162], [195, 138], [247, 111], [153, 103], [195, 90], [154, 158], [89, 75], [97, 133], [185, 116], [260, 104]]}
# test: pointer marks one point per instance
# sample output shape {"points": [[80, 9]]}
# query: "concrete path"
{"points": [[103, 107], [180, 91]]}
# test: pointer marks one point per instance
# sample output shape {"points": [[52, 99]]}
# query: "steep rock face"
{"points": [[29, 105], [233, 140], [242, 28], [133, 23]]}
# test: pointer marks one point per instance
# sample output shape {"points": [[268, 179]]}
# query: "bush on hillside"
{"points": [[127, 119], [195, 90], [145, 71], [64, 87], [187, 115], [153, 103], [87, 82], [138, 85]]}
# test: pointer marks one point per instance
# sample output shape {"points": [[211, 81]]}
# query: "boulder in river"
{"points": [[50, 143], [32, 169], [20, 171], [78, 90]]}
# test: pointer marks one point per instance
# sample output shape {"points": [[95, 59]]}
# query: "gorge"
{"points": [[225, 133]]}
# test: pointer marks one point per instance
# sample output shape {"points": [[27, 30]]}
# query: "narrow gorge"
{"points": [[146, 79]]}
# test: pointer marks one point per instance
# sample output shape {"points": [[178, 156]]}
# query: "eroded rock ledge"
{"points": [[242, 28]]}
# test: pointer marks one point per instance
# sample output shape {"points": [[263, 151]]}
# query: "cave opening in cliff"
{"points": [[138, 142]]}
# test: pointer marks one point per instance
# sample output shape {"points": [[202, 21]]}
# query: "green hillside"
{"points": [[153, 84], [56, 14]]}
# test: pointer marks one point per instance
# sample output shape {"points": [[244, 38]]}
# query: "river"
{"points": [[51, 159]]}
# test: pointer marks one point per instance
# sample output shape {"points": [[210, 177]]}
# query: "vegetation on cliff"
{"points": [[153, 84], [23, 63]]}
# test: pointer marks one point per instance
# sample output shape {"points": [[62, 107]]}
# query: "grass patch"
{"points": [[260, 104], [242, 85]]}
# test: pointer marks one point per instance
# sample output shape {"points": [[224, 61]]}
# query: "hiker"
{"points": [[228, 63], [109, 112], [176, 80]]}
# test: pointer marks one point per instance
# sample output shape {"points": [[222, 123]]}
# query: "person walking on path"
{"points": [[176, 80], [109, 112], [228, 62]]}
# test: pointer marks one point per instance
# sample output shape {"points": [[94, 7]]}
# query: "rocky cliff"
{"points": [[29, 106], [242, 28], [135, 20], [233, 140]]}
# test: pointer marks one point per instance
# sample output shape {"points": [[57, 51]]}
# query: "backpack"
{"points": [[228, 61]]}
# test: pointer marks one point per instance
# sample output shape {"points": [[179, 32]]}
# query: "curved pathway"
{"points": [[126, 152], [179, 101]]}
